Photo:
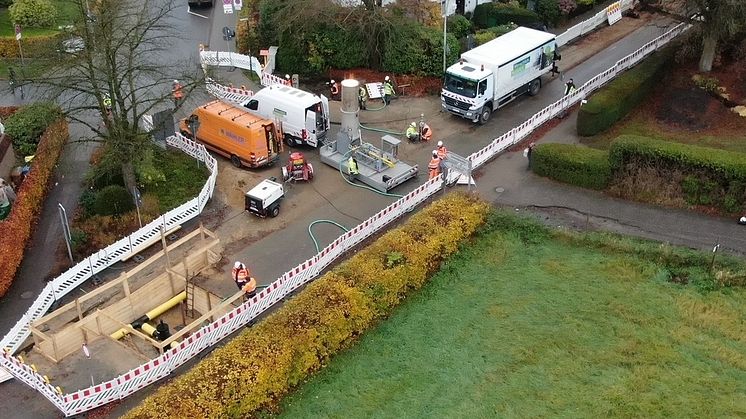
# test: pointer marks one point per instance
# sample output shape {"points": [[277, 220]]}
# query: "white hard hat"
{"points": [[440, 143], [237, 265], [742, 220], [287, 76], [176, 81], [414, 124], [435, 153], [386, 78], [333, 81]]}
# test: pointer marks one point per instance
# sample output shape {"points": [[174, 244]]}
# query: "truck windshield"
{"points": [[460, 86]]}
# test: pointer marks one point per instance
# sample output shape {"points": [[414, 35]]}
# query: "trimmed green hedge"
{"points": [[26, 126], [412, 50], [712, 176], [261, 364], [488, 15], [613, 102], [573, 164]]}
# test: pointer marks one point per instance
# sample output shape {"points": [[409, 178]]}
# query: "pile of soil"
{"points": [[408, 85], [680, 105]]}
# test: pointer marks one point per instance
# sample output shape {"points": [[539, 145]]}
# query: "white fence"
{"points": [[589, 25], [132, 381]]}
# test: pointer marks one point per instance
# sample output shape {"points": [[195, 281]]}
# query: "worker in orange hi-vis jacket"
{"points": [[434, 166]]}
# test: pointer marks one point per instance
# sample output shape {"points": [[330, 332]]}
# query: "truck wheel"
{"points": [[289, 140], [485, 115], [534, 87], [275, 211], [236, 161]]}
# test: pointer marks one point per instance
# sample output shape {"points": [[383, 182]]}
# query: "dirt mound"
{"points": [[684, 108], [416, 86]]}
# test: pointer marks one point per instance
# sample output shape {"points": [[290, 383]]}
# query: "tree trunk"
{"points": [[128, 173], [709, 46]]}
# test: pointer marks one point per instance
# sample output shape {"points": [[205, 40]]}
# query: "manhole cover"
{"points": [[26, 295], [499, 190], [138, 258]]}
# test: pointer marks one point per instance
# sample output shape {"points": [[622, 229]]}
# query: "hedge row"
{"points": [[576, 165], [488, 15], [32, 46], [351, 38], [16, 229], [26, 127], [710, 176], [621, 95], [255, 369]]}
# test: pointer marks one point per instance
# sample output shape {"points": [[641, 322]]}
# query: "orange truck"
{"points": [[246, 139]]}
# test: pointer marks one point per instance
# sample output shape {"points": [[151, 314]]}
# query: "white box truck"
{"points": [[492, 75], [303, 116]]}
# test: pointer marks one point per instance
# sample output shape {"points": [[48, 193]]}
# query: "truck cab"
{"points": [[467, 90], [494, 74]]}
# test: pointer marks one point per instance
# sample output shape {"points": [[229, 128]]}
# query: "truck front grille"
{"points": [[456, 103]]}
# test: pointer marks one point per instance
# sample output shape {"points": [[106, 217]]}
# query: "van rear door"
{"points": [[325, 108], [274, 147], [311, 128]]}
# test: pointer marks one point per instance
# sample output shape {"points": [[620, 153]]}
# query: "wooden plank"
{"points": [[146, 244], [72, 305]]}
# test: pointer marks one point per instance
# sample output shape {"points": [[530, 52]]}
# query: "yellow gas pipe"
{"points": [[150, 315]]}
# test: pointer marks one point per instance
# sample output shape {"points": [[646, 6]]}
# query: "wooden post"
{"points": [[77, 307], [98, 322], [165, 247], [54, 349], [202, 230], [126, 288]]}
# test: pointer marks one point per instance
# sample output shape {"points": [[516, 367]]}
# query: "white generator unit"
{"points": [[264, 199], [492, 75]]}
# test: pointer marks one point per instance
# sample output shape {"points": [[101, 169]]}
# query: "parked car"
{"points": [[200, 3]]}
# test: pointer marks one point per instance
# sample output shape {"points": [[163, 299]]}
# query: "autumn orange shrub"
{"points": [[254, 370], [16, 229]]}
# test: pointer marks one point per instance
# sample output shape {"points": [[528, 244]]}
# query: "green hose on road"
{"points": [[310, 233]]}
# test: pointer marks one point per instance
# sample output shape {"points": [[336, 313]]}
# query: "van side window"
{"points": [[253, 105], [482, 87]]}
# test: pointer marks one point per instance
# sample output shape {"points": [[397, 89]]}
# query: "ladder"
{"points": [[189, 308]]}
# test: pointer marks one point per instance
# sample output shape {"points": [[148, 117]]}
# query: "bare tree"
{"points": [[719, 20], [116, 74]]}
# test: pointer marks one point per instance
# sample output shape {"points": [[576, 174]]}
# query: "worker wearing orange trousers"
{"points": [[434, 165]]}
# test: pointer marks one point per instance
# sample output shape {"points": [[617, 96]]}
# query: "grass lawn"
{"points": [[66, 13], [553, 327], [184, 178]]}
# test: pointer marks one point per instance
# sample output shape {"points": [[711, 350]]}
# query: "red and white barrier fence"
{"points": [[161, 366]]}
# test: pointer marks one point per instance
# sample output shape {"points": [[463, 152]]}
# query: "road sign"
{"points": [[18, 32], [237, 4], [228, 7]]}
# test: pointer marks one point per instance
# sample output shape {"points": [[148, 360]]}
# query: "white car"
{"points": [[73, 45]]}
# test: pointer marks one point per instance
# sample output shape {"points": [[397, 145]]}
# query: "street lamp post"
{"points": [[445, 32]]}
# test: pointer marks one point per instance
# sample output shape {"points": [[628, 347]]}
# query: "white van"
{"points": [[304, 116]]}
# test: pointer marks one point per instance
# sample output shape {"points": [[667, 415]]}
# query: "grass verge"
{"points": [[528, 322]]}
